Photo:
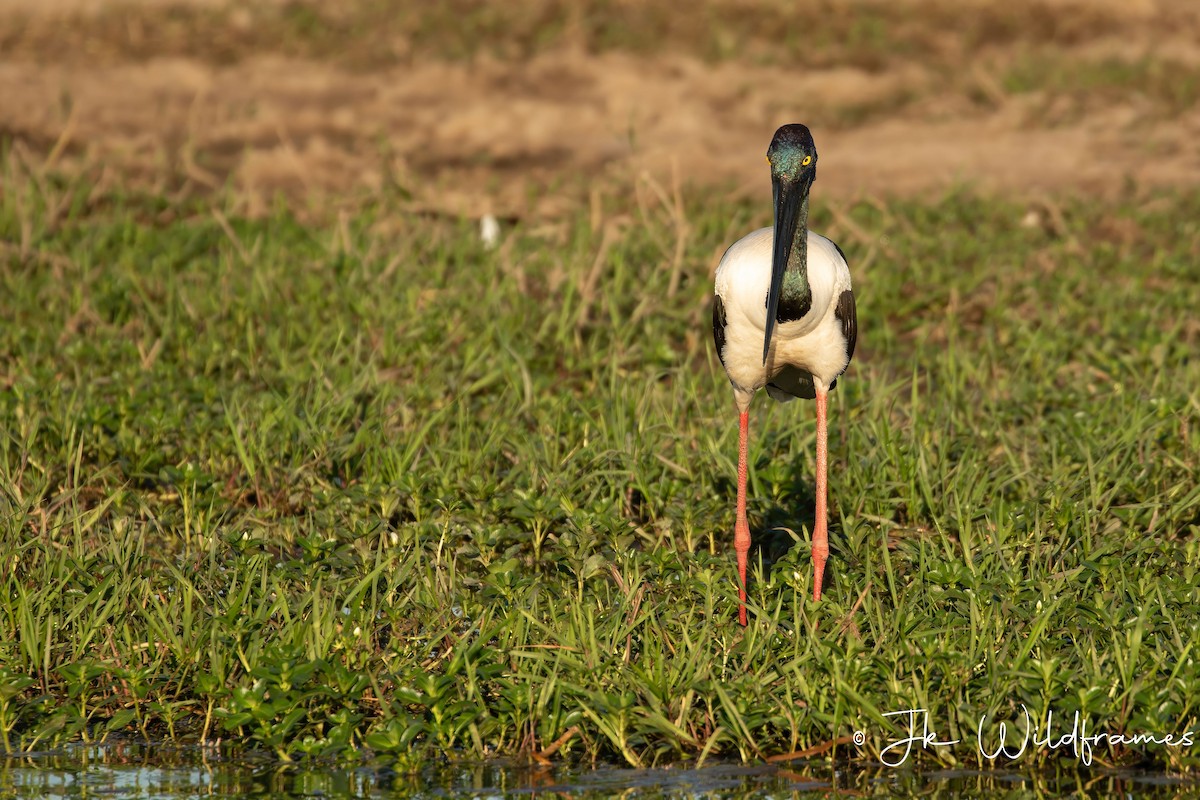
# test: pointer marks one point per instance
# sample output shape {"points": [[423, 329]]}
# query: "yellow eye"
{"points": [[807, 160]]}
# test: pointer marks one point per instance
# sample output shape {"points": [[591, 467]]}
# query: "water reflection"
{"points": [[127, 770]]}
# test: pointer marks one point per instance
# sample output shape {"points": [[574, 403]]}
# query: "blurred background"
{"points": [[519, 108]]}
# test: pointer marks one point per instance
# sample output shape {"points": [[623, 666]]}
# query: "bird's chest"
{"points": [[798, 344], [805, 295]]}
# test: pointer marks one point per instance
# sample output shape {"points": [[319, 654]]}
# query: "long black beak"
{"points": [[789, 197]]}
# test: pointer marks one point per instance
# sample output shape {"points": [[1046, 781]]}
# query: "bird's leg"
{"points": [[820, 541], [741, 530]]}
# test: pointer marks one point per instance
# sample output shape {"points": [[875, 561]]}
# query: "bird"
{"points": [[784, 320]]}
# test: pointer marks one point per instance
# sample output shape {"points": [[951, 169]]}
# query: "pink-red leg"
{"points": [[820, 541], [741, 530]]}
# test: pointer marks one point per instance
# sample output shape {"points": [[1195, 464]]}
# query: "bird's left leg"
{"points": [[741, 530], [820, 541]]}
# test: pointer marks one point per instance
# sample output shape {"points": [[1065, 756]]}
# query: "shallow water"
{"points": [[173, 773]]}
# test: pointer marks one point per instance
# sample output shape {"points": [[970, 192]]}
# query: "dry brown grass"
{"points": [[464, 106]]}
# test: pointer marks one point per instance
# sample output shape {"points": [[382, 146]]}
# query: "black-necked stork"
{"points": [[784, 320]]}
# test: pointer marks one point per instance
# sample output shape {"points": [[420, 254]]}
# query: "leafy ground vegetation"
{"points": [[292, 461], [368, 483]]}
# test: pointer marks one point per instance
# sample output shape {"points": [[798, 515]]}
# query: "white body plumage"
{"points": [[805, 354]]}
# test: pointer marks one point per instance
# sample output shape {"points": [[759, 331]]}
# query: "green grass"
{"points": [[315, 488]]}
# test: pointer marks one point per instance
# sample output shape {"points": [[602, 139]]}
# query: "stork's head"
{"points": [[792, 155]]}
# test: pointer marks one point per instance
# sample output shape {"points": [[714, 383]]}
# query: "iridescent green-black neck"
{"points": [[795, 295]]}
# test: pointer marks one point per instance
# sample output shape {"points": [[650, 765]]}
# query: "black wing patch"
{"points": [[719, 327], [847, 314], [841, 252], [792, 382]]}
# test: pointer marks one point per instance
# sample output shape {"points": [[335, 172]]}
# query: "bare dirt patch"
{"points": [[201, 95]]}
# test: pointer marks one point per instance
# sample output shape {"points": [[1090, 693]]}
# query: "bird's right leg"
{"points": [[741, 530], [820, 539]]}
